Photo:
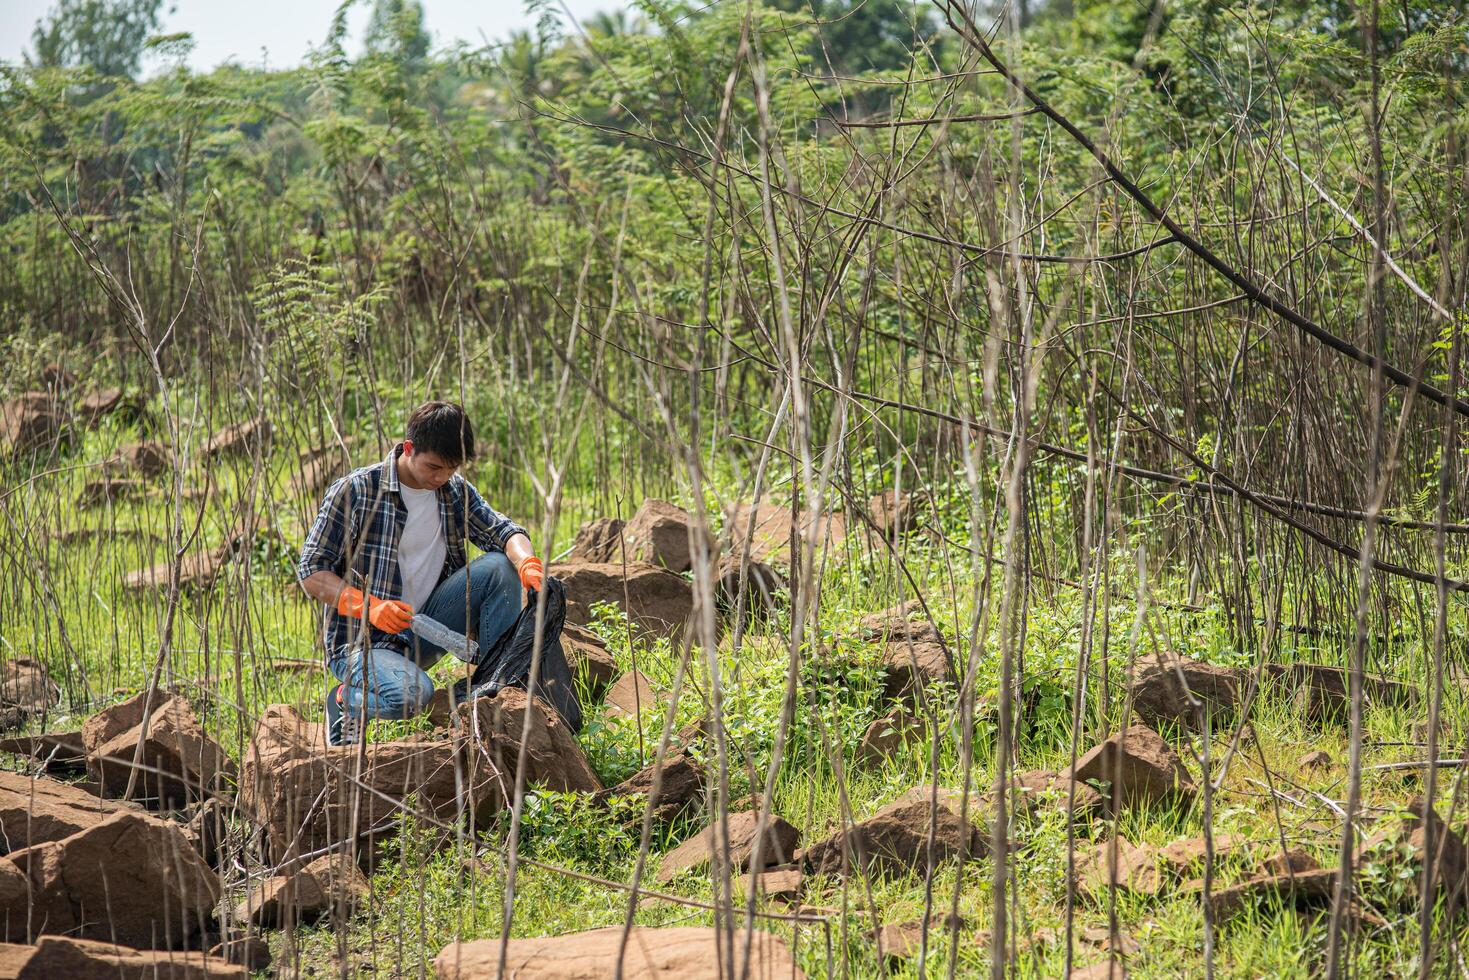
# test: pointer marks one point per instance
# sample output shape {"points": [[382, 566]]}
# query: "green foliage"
{"points": [[310, 326], [107, 36], [569, 827], [396, 31], [857, 37], [524, 225]]}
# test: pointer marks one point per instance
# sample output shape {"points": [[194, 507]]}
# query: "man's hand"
{"points": [[388, 615], [532, 573]]}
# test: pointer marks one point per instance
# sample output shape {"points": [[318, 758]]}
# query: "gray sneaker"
{"points": [[342, 726]]}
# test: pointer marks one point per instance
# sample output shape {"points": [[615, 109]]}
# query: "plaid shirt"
{"points": [[358, 528]]}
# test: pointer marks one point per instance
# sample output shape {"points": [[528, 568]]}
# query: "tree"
{"points": [[613, 23], [522, 60], [396, 30], [863, 35], [108, 36]]}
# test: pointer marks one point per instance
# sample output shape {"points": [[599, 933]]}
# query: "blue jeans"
{"points": [[485, 592]]}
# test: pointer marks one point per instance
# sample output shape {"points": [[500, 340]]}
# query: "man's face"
{"points": [[423, 470]]}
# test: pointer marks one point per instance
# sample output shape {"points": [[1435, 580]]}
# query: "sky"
{"points": [[279, 32]]}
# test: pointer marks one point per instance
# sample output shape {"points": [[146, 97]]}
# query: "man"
{"points": [[389, 542]]}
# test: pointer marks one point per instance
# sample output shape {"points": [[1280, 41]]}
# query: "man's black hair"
{"points": [[443, 429]]}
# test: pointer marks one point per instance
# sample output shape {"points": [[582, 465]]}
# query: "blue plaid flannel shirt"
{"points": [[356, 536]]}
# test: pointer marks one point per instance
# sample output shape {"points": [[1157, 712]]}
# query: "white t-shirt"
{"points": [[421, 547]]}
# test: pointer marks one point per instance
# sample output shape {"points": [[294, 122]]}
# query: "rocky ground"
{"points": [[143, 842]]}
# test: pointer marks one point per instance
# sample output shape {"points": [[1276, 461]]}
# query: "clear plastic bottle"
{"points": [[440, 635]]}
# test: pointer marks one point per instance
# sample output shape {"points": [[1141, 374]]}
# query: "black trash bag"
{"points": [[507, 664]]}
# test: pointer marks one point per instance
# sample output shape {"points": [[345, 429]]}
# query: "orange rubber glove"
{"points": [[532, 573], [388, 615]]}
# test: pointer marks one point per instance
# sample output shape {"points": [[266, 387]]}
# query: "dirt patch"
{"points": [[250, 952], [1321, 693], [769, 528], [196, 571], [660, 533], [632, 695], [599, 540], [900, 941], [97, 405], [914, 652], [888, 735], [688, 953], [1142, 869], [656, 601], [179, 764], [84, 959], [328, 885], [131, 878], [700, 851], [895, 513], [109, 489], [586, 654], [781, 884], [139, 461], [56, 753], [26, 691], [34, 811], [1309, 888], [30, 422], [1403, 843], [1047, 787], [1138, 767], [753, 583], [894, 840], [320, 466], [912, 664], [553, 758], [241, 438], [680, 789], [1166, 687], [305, 796]]}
